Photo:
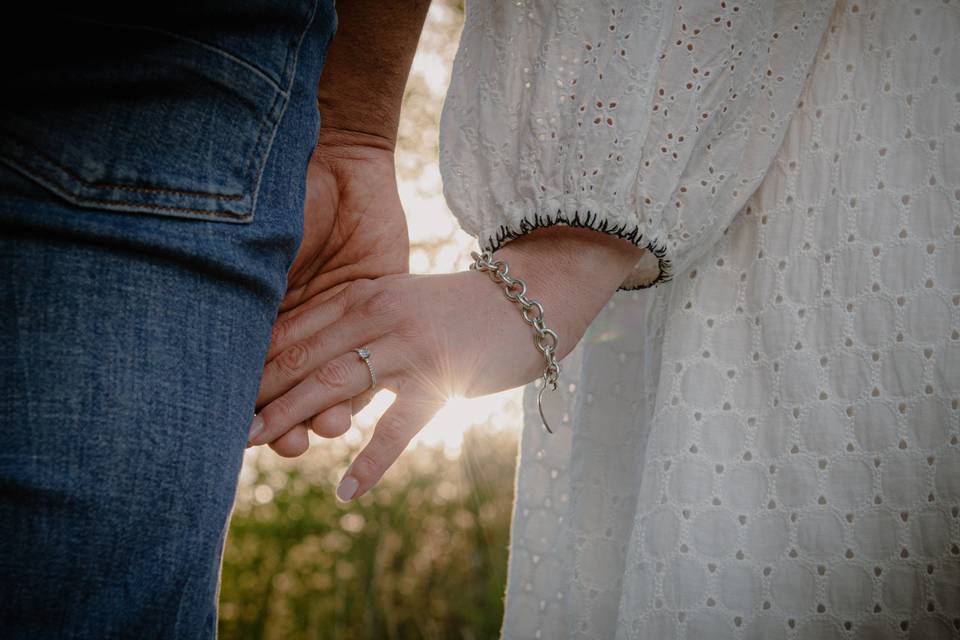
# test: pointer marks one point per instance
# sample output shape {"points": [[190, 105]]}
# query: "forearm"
{"points": [[573, 272], [362, 85]]}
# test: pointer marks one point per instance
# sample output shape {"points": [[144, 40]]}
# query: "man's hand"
{"points": [[354, 224], [354, 229]]}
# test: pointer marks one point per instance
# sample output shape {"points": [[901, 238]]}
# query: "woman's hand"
{"points": [[430, 337]]}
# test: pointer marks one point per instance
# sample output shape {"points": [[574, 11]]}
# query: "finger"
{"points": [[290, 328], [359, 403], [390, 437], [359, 326], [293, 443], [338, 380], [334, 422], [336, 277], [296, 301]]}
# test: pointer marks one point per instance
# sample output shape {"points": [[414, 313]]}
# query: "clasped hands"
{"points": [[429, 336]]}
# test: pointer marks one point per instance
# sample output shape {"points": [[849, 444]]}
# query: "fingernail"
{"points": [[347, 487], [256, 427]]}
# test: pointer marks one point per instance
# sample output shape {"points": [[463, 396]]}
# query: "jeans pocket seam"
{"points": [[51, 183], [226, 200], [147, 188]]}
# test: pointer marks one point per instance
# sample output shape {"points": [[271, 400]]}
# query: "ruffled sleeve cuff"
{"points": [[653, 268]]}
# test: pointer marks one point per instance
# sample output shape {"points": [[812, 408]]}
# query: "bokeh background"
{"points": [[424, 554]]}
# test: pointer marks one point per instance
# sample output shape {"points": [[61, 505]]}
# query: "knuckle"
{"points": [[319, 343], [341, 304], [342, 300], [328, 426], [356, 291], [404, 385], [389, 440], [335, 374], [366, 469], [392, 434], [279, 333], [382, 303], [407, 329], [415, 329], [292, 359], [293, 445], [278, 411]]}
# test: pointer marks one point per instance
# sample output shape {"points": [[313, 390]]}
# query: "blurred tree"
{"points": [[417, 143], [437, 243], [422, 556]]}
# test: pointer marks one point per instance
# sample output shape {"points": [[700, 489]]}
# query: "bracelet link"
{"points": [[546, 340], [551, 345], [537, 320]]}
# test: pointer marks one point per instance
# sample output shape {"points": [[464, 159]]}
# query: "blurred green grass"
{"points": [[423, 555]]}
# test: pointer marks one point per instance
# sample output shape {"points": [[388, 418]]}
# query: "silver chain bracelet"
{"points": [[546, 339]]}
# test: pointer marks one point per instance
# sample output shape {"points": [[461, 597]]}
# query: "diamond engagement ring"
{"points": [[364, 354]]}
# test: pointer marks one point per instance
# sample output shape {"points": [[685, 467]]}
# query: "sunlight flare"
{"points": [[451, 423], [448, 427]]}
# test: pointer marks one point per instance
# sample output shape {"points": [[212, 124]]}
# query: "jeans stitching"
{"points": [[54, 186], [108, 185], [273, 117], [153, 207], [276, 125]]}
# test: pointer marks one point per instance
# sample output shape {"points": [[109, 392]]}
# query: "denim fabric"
{"points": [[200, 84], [131, 338]]}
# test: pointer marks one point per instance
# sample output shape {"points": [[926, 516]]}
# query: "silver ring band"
{"points": [[364, 354]]}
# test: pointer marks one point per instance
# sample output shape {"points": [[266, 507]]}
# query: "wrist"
{"points": [[356, 142], [575, 252], [361, 88], [573, 272]]}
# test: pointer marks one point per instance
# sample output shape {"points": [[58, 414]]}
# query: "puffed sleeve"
{"points": [[650, 120]]}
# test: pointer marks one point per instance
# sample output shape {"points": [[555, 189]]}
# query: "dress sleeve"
{"points": [[653, 121]]}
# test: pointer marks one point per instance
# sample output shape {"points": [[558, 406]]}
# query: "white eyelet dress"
{"points": [[761, 440]]}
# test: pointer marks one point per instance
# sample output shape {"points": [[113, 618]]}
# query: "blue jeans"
{"points": [[151, 200]]}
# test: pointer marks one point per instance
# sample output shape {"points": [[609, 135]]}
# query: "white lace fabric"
{"points": [[767, 445], [653, 121]]}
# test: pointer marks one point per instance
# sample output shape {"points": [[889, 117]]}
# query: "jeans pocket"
{"points": [[133, 113]]}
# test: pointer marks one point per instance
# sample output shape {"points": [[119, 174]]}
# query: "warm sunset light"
{"points": [[448, 427], [459, 414]]}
